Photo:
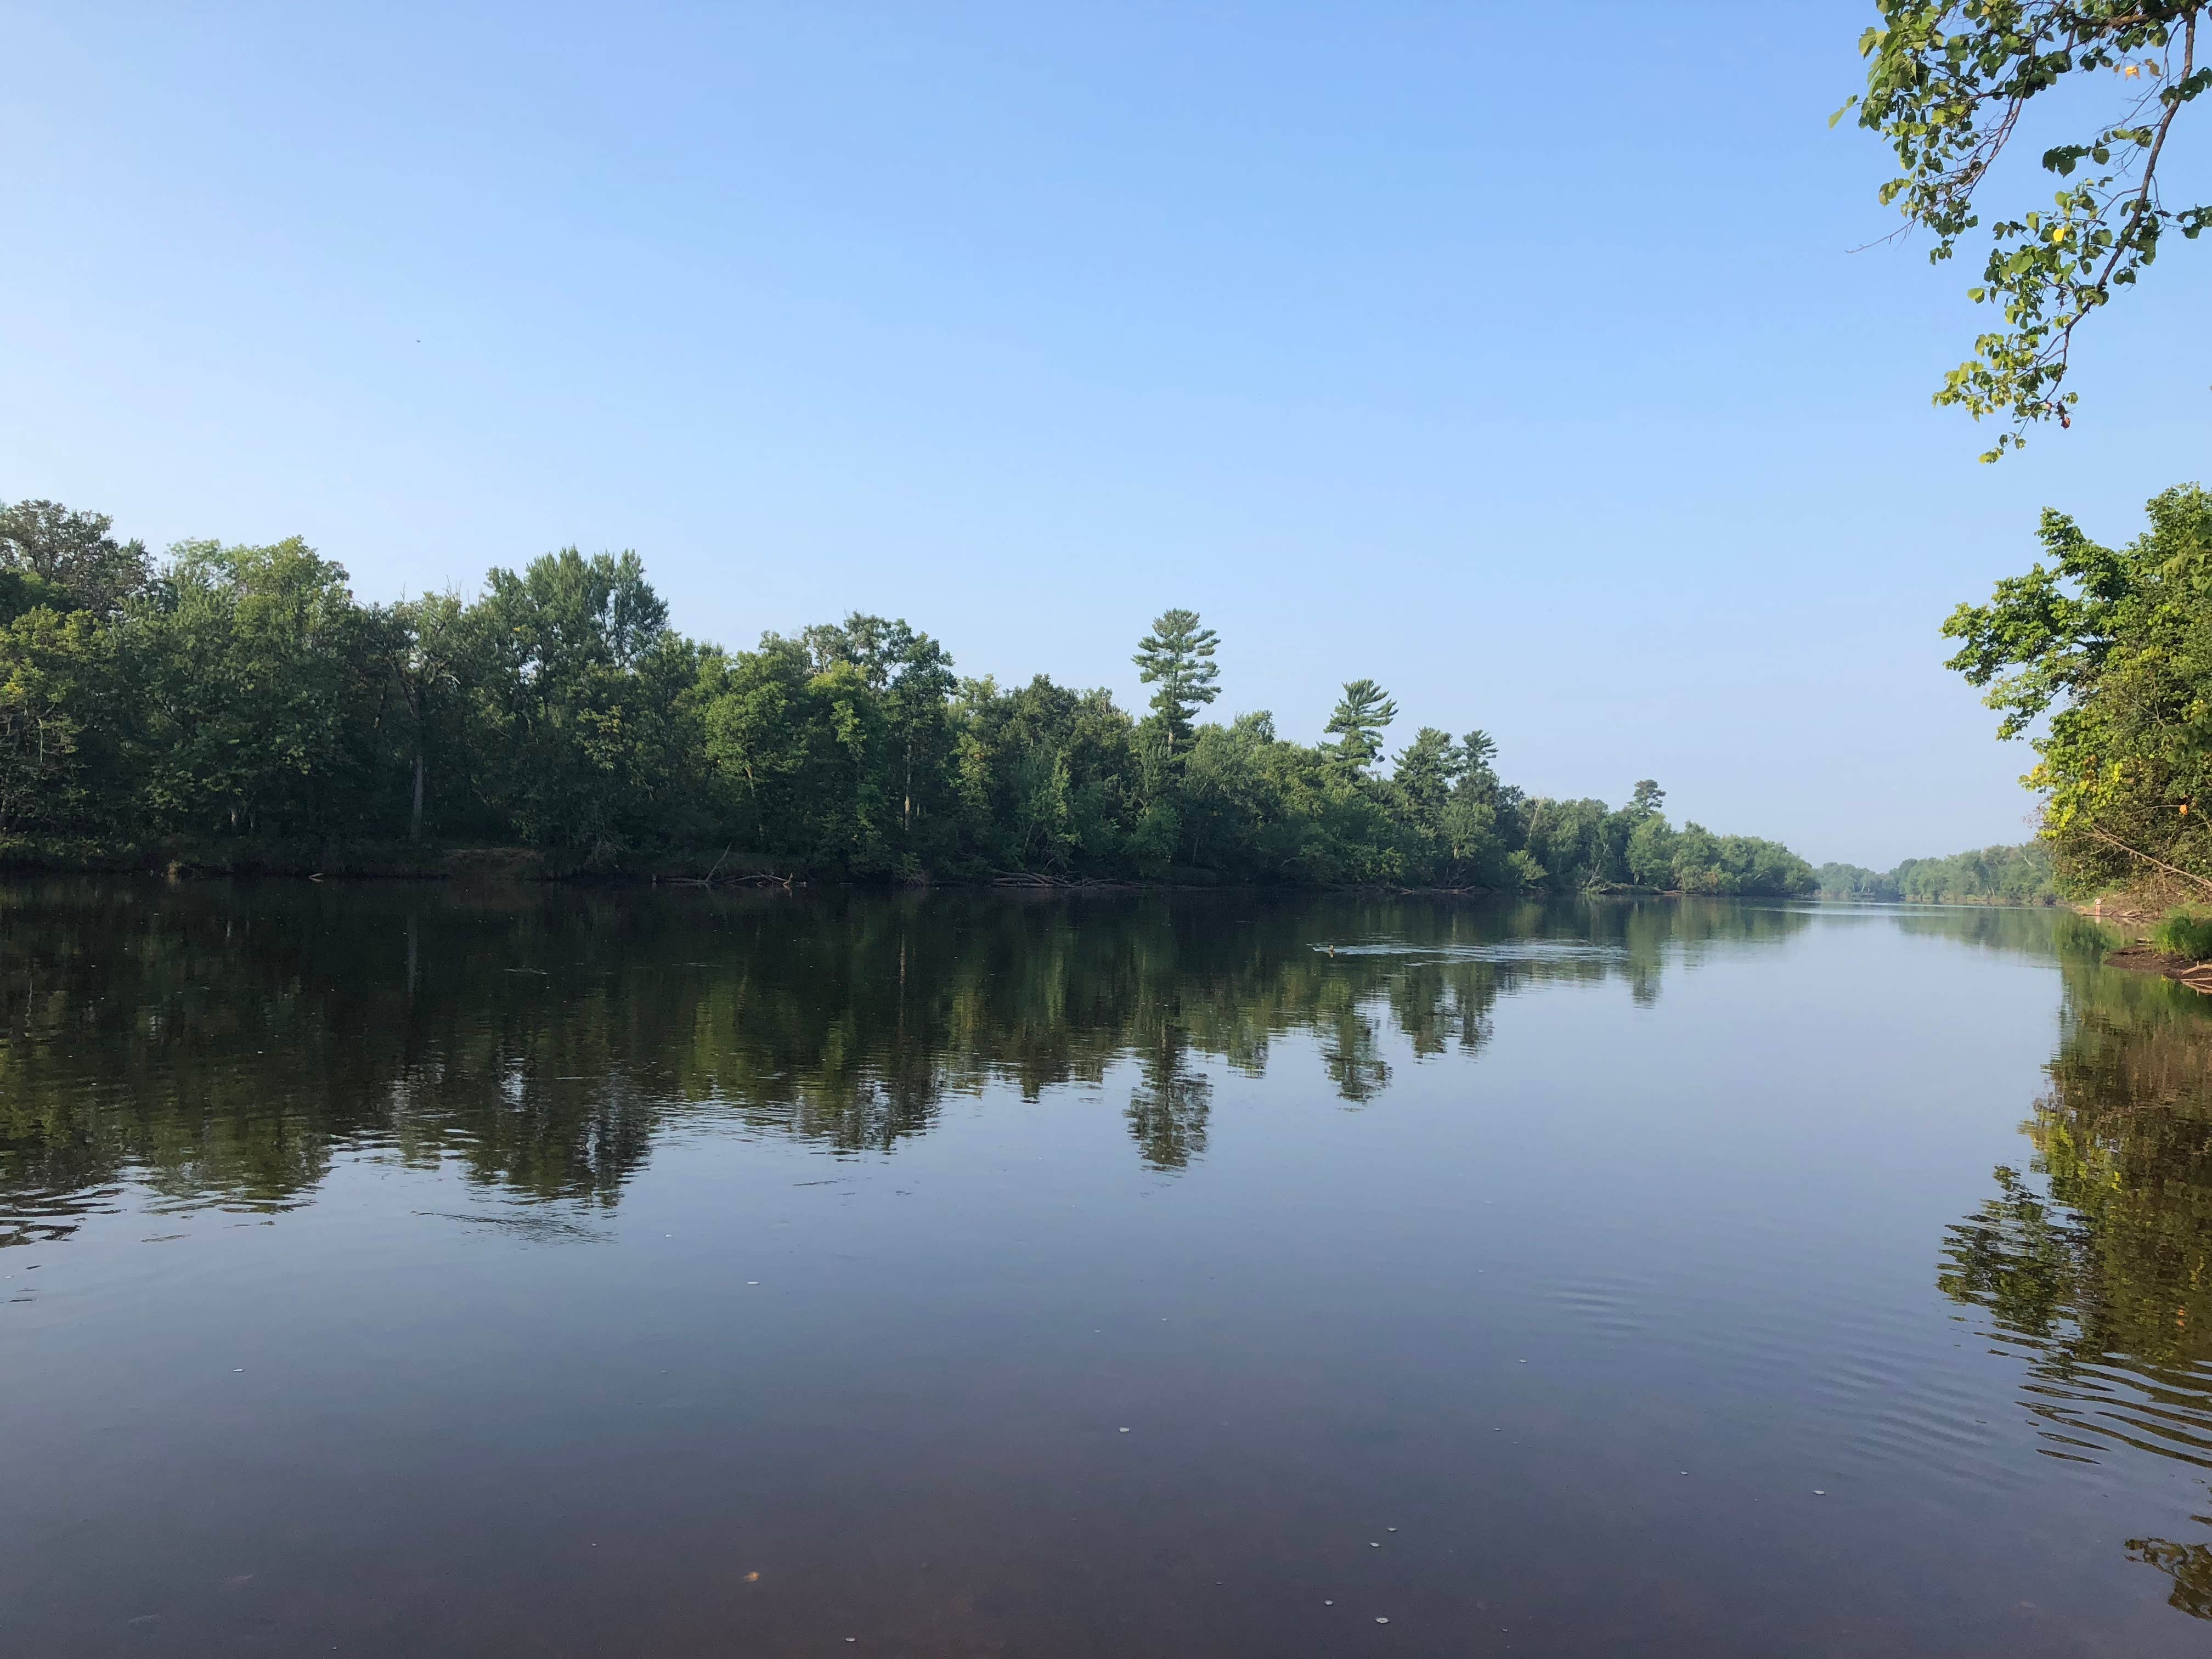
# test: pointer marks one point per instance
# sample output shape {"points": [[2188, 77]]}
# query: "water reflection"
{"points": [[2090, 1264], [225, 1042], [2014, 929]]}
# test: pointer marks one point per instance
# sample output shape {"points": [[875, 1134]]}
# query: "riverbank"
{"points": [[2136, 912], [2143, 957]]}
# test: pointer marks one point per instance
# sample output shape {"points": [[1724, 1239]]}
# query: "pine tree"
{"points": [[1177, 656], [1362, 716]]}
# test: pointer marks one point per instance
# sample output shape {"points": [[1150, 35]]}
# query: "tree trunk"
{"points": [[415, 822]]}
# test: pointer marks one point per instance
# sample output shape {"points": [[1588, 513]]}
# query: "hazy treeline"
{"points": [[243, 693], [1989, 875]]}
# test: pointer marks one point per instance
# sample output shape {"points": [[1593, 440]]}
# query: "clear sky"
{"points": [[1516, 356]]}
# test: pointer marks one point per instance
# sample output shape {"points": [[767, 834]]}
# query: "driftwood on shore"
{"points": [[715, 877]]}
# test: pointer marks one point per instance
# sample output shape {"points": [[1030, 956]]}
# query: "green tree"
{"points": [[23, 590], [2115, 647], [1361, 716], [1475, 853], [259, 678], [431, 653], [1232, 806], [1177, 657], [1478, 751], [1649, 854], [1949, 83], [569, 715], [1047, 778], [59, 721], [867, 643], [78, 564], [1568, 839], [921, 681], [1426, 770], [764, 729]]}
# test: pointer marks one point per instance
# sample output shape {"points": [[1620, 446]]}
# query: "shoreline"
{"points": [[2141, 958], [2138, 955], [185, 861]]}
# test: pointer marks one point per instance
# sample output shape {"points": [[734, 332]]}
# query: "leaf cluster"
{"points": [[1949, 85]]}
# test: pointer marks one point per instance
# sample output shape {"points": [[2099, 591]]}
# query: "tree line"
{"points": [[242, 695], [1988, 875]]}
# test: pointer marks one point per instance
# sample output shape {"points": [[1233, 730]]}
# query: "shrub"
{"points": [[2184, 934]]}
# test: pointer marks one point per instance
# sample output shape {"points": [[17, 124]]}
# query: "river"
{"points": [[414, 1270]]}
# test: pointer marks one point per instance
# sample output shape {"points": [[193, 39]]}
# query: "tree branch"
{"points": [[2133, 852], [2175, 100]]}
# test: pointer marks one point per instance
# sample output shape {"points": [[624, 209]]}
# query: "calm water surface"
{"points": [[403, 1271]]}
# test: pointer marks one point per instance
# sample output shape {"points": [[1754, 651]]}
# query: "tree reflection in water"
{"points": [[2092, 1264], [224, 1042]]}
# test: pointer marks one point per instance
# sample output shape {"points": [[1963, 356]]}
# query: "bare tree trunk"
{"points": [[415, 823]]}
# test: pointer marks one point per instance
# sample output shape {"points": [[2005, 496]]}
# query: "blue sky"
{"points": [[1526, 369]]}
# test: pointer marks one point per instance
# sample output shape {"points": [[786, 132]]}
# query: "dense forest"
{"points": [[1988, 875], [243, 695]]}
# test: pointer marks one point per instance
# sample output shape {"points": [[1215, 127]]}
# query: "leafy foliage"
{"points": [[68, 560], [2113, 649], [1949, 83], [2184, 934]]}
